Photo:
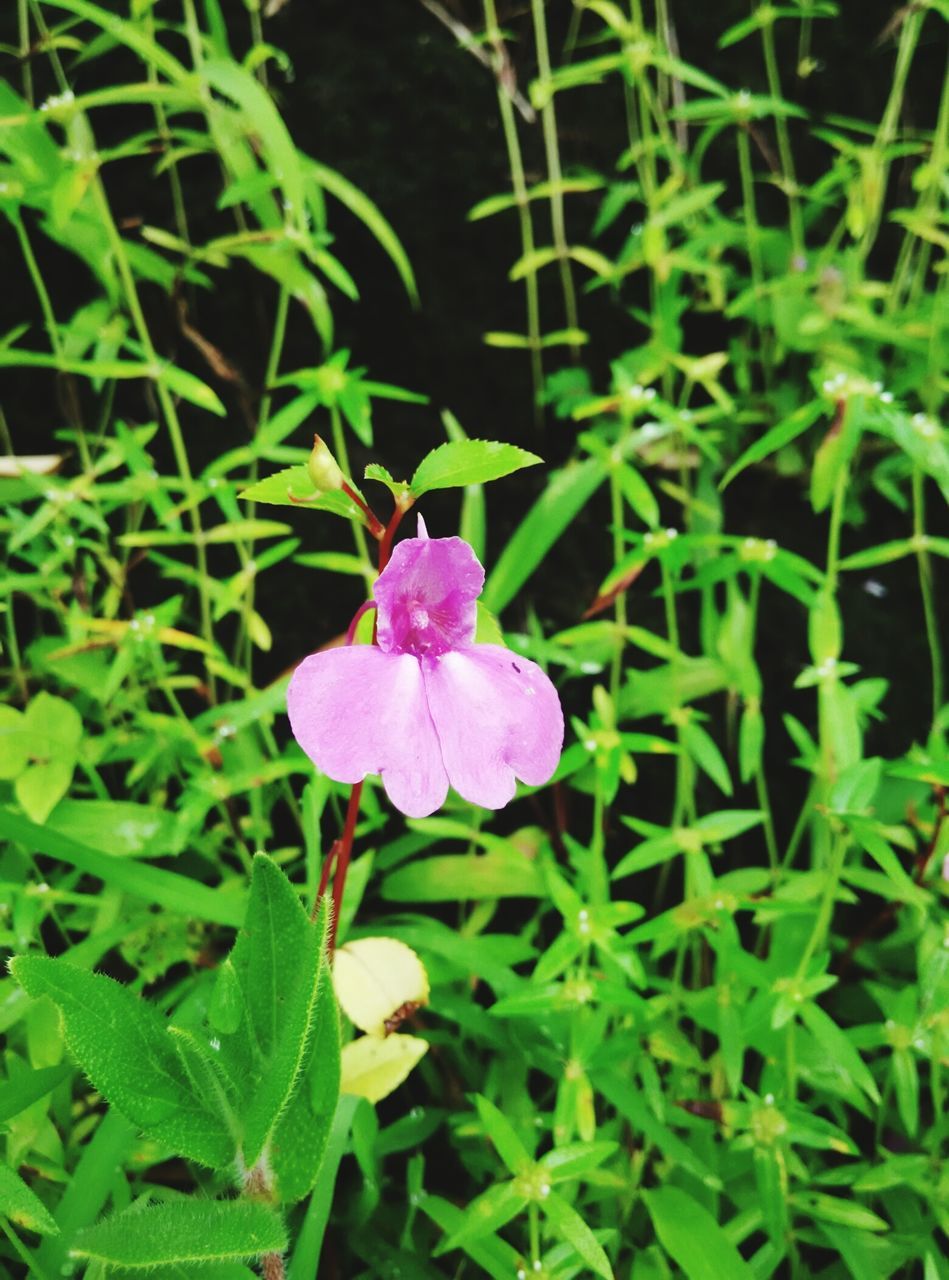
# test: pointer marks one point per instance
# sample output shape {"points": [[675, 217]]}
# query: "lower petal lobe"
{"points": [[497, 717], [357, 710]]}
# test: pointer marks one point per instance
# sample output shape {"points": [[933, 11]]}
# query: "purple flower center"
{"points": [[426, 597]]}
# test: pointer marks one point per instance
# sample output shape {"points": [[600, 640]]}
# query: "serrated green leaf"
{"points": [[460, 462], [184, 1231], [303, 1130], [277, 961], [277, 490], [124, 1046]]}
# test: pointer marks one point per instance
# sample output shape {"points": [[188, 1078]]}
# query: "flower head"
{"points": [[426, 708]]}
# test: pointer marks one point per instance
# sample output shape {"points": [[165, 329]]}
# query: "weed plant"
{"points": [[683, 1011]]}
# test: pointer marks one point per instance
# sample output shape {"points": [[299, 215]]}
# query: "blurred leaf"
{"points": [[23, 1206], [566, 494], [692, 1237]]}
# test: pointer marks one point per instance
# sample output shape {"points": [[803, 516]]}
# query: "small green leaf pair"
{"points": [[39, 749]]}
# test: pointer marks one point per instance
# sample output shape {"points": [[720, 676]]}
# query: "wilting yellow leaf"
{"points": [[372, 1068]]}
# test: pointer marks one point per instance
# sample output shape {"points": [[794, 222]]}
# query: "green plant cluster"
{"points": [[689, 1002]]}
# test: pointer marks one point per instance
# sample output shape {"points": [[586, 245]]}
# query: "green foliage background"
{"points": [[690, 1002]]}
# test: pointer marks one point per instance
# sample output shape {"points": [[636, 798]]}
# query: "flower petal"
{"points": [[497, 717], [425, 597], [358, 710]]}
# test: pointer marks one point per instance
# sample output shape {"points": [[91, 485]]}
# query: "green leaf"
{"points": [[838, 1048], [180, 381], [23, 1206], [162, 888], [567, 493], [184, 1231], [459, 462], [124, 1046], [704, 751], [486, 1214], [302, 1131], [278, 488], [17, 1095], [504, 1136], [14, 747], [450, 877], [778, 436], [494, 1255], [368, 213], [91, 1184], [278, 963], [40, 787], [135, 830], [692, 1237], [376, 472], [570, 1227]]}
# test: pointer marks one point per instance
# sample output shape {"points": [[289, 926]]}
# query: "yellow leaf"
{"points": [[372, 1068], [379, 982]]}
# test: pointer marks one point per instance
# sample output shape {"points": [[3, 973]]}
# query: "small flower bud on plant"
{"points": [[323, 468]]}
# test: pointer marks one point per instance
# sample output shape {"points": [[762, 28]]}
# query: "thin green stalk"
{"points": [[760, 780], [257, 38], [836, 523], [554, 173], [929, 203], [39, 286], [684, 804], [754, 246], [826, 910], [33, 1268], [342, 457], [169, 411], [193, 33], [599, 881], [23, 24], [59, 74], [886, 133], [619, 605], [924, 569], [243, 647], [788, 175], [533, 1225], [52, 328], [525, 221], [13, 649], [800, 826], [164, 134]]}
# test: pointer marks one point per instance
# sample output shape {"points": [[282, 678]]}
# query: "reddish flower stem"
{"points": [[385, 546], [351, 630], [341, 849], [374, 524]]}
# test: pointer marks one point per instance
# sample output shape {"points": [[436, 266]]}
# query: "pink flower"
{"points": [[426, 708]]}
